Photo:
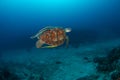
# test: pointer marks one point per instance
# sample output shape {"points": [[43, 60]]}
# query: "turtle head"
{"points": [[68, 29]]}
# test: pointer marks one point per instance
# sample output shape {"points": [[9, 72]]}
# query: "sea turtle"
{"points": [[52, 36]]}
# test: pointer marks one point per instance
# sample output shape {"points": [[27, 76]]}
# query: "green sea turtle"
{"points": [[52, 36]]}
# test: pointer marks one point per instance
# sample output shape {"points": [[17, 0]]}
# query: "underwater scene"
{"points": [[59, 39]]}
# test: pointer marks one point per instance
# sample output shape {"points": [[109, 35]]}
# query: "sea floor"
{"points": [[56, 64]]}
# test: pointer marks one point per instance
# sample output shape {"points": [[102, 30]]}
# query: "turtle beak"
{"points": [[68, 30]]}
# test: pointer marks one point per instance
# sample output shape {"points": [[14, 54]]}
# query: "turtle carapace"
{"points": [[52, 36]]}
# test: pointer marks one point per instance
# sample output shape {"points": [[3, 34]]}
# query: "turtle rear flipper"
{"points": [[39, 43]]}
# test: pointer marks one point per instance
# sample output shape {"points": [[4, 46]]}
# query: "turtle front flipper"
{"points": [[67, 41], [39, 43], [35, 36], [40, 32], [32, 37], [53, 46]]}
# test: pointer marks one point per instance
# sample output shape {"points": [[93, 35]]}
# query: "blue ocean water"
{"points": [[89, 20], [92, 21]]}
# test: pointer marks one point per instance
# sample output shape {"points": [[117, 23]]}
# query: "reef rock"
{"points": [[109, 62]]}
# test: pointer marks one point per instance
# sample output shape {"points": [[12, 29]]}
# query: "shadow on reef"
{"points": [[91, 77], [6, 74], [110, 63], [28, 71]]}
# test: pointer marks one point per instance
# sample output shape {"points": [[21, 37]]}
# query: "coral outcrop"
{"points": [[110, 64]]}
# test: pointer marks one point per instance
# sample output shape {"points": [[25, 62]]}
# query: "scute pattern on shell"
{"points": [[54, 36]]}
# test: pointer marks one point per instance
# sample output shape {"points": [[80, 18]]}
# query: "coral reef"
{"points": [[115, 75], [110, 63]]}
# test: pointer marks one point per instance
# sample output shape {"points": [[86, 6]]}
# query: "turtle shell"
{"points": [[55, 36]]}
